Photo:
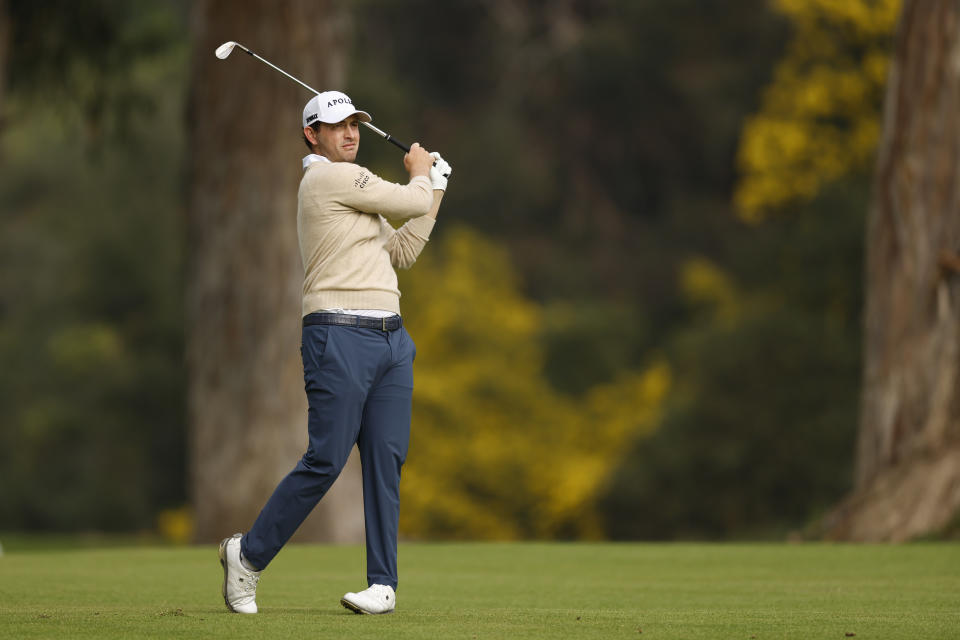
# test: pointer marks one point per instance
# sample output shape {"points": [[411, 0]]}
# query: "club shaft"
{"points": [[389, 138], [386, 136], [265, 61]]}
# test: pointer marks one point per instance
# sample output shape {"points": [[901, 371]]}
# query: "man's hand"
{"points": [[418, 161], [439, 172]]}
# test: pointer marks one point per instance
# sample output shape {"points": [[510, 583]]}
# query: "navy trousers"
{"points": [[359, 385]]}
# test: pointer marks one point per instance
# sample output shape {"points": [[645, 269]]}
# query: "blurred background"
{"points": [[640, 316]]}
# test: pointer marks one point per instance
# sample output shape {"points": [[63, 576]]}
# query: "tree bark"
{"points": [[246, 405], [908, 454], [5, 35]]}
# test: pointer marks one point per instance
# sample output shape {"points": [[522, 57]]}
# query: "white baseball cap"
{"points": [[331, 107]]}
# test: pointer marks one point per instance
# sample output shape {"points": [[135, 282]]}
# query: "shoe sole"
{"points": [[360, 611], [223, 563]]}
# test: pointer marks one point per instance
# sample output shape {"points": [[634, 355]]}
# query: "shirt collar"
{"points": [[310, 158]]}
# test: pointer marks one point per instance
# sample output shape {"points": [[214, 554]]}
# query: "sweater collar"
{"points": [[310, 158]]}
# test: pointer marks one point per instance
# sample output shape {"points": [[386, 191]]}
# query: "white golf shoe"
{"points": [[378, 598], [239, 583]]}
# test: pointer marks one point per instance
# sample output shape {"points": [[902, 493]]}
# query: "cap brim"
{"points": [[364, 116]]}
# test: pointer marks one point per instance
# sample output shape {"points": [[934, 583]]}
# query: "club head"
{"points": [[225, 50]]}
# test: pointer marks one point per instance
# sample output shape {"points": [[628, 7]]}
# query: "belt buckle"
{"points": [[383, 323]]}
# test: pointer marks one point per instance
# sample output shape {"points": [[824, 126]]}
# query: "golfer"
{"points": [[357, 356]]}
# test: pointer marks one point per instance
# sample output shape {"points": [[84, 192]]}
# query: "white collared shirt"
{"points": [[310, 158], [369, 313]]}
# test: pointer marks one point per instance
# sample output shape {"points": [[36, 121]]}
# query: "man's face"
{"points": [[339, 142]]}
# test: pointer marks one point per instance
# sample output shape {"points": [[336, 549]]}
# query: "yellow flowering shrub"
{"points": [[703, 282], [176, 525], [496, 452], [819, 119]]}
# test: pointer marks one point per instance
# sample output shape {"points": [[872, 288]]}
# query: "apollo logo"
{"points": [[343, 100]]}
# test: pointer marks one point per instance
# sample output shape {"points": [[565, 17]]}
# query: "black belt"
{"points": [[390, 323]]}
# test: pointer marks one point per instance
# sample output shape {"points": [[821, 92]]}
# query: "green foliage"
{"points": [[576, 130], [595, 148], [93, 59], [758, 437], [92, 432]]}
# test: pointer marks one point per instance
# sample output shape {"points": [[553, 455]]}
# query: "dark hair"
{"points": [[316, 129]]}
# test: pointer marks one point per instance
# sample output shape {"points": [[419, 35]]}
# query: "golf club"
{"points": [[226, 49]]}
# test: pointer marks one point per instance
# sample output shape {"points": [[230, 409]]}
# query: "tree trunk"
{"points": [[246, 404], [5, 36], [908, 454]]}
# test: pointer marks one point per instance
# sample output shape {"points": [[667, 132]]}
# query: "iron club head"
{"points": [[225, 50]]}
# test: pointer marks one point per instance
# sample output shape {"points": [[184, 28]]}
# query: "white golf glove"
{"points": [[439, 172]]}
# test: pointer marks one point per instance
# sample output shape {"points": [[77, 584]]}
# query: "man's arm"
{"points": [[440, 171], [417, 161], [435, 208], [364, 191], [405, 244]]}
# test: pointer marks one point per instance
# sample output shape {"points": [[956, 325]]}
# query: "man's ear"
{"points": [[311, 135]]}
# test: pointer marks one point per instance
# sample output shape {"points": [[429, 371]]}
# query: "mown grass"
{"points": [[482, 590]]}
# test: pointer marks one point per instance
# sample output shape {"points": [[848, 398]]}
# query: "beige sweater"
{"points": [[349, 250]]}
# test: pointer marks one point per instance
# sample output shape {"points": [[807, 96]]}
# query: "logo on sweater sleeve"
{"points": [[361, 180]]}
